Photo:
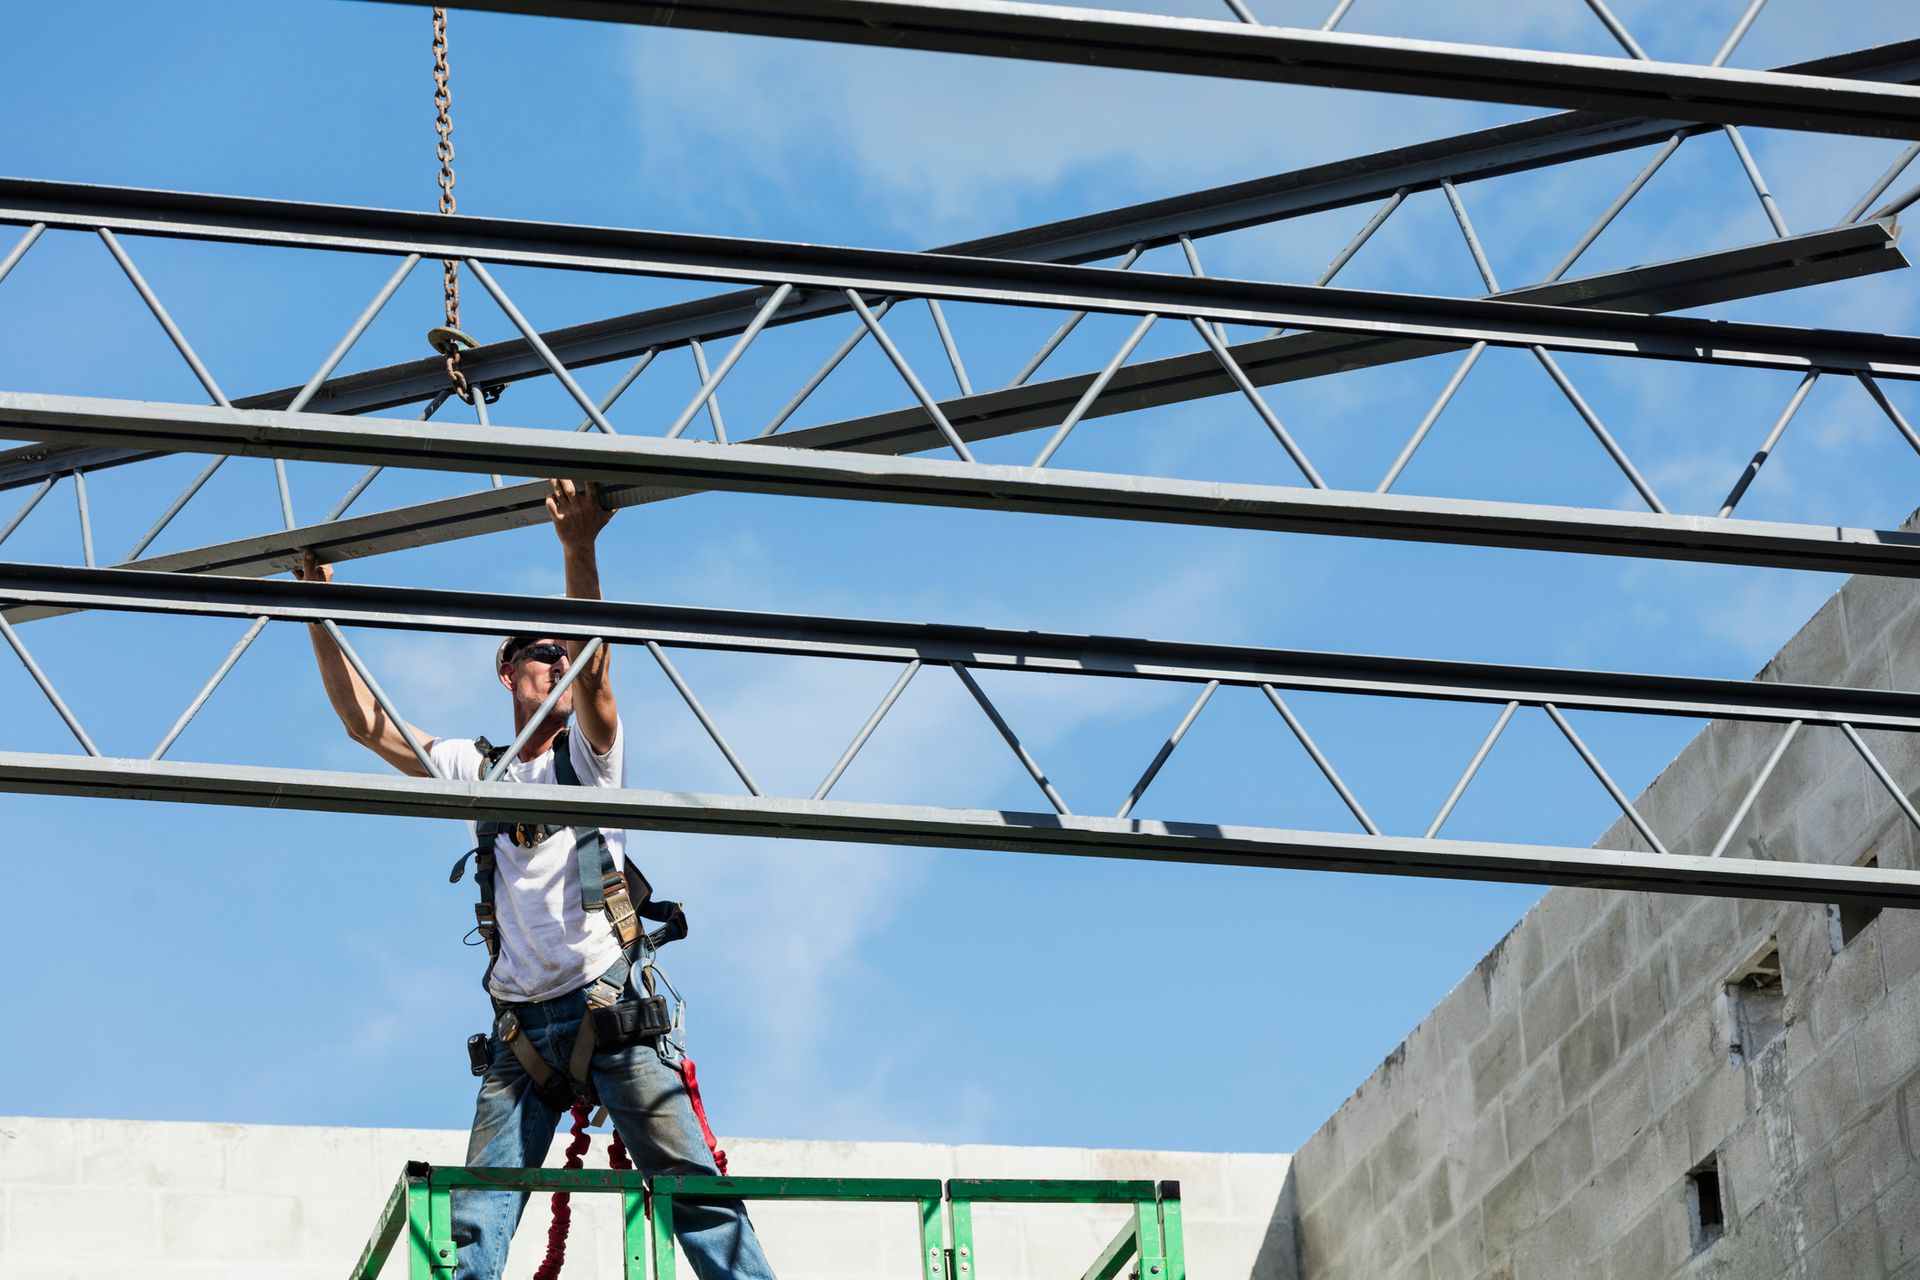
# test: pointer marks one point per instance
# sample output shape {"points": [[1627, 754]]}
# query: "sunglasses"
{"points": [[546, 652]]}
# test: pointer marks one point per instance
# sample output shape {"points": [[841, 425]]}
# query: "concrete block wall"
{"points": [[167, 1201], [1544, 1120]]}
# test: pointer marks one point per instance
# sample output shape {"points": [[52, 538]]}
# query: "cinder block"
{"points": [[1810, 1205], [1510, 1208], [1715, 1108], [1255, 1184], [1826, 1099], [1458, 1248], [333, 1227], [1642, 1252], [1476, 1159], [1688, 1045], [1868, 1159], [1642, 1002], [291, 1159], [1874, 609], [229, 1225], [1586, 1053], [1458, 1021], [1604, 956], [1533, 1106], [1899, 938], [1495, 1061], [1898, 1213], [1620, 1109], [1837, 817], [45, 1152], [1704, 949], [67, 1223], [116, 1153], [1813, 756], [1887, 1042], [1563, 1162], [1548, 1010], [1851, 1250], [1748, 1177]]}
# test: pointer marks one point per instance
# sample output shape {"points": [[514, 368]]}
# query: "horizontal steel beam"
{"points": [[1702, 280], [233, 219], [973, 829], [656, 467], [1234, 50], [33, 590]]}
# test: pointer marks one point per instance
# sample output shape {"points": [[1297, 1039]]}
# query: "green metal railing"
{"points": [[421, 1207]]}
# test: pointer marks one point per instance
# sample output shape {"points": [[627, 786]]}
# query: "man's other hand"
{"points": [[312, 569], [575, 509]]}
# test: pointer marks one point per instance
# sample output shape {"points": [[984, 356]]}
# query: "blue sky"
{"points": [[252, 965]]}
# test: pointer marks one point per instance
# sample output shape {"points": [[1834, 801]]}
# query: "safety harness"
{"points": [[625, 897]]}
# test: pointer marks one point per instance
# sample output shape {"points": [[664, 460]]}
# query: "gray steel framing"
{"points": [[659, 468], [1380, 176], [1701, 280], [1799, 261], [1235, 50], [887, 273], [967, 829], [31, 590]]}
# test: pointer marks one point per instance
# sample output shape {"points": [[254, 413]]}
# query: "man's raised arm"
{"points": [[352, 701], [578, 519]]}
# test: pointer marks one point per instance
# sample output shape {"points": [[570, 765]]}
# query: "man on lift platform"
{"points": [[558, 911]]}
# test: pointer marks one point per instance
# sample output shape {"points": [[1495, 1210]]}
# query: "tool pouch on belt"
{"points": [[630, 1022]]}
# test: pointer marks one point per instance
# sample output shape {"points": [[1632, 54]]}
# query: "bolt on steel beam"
{"points": [[1233, 50], [965, 829]]}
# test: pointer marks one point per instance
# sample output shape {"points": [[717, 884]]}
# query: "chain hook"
{"points": [[448, 339]]}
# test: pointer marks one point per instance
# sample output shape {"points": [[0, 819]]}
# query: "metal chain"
{"points": [[443, 125]]}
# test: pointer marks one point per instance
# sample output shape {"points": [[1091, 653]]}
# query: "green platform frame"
{"points": [[420, 1206]]}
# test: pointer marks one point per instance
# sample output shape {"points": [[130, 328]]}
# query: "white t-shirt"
{"points": [[548, 945]]}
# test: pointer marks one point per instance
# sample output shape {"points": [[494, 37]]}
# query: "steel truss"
{"points": [[947, 277], [975, 830], [1234, 50], [1381, 176], [963, 651], [1726, 275], [662, 468]]}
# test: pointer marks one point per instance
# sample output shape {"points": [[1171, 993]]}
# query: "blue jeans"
{"points": [[513, 1128]]}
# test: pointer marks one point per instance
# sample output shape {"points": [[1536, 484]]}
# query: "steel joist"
{"points": [[1234, 50], [29, 590], [636, 469], [967, 829], [884, 272], [955, 279], [1701, 280]]}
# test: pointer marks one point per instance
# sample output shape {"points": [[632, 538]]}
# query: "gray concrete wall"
{"points": [[141, 1200], [1543, 1120]]}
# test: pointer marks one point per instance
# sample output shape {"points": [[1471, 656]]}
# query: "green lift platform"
{"points": [[1151, 1240]]}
